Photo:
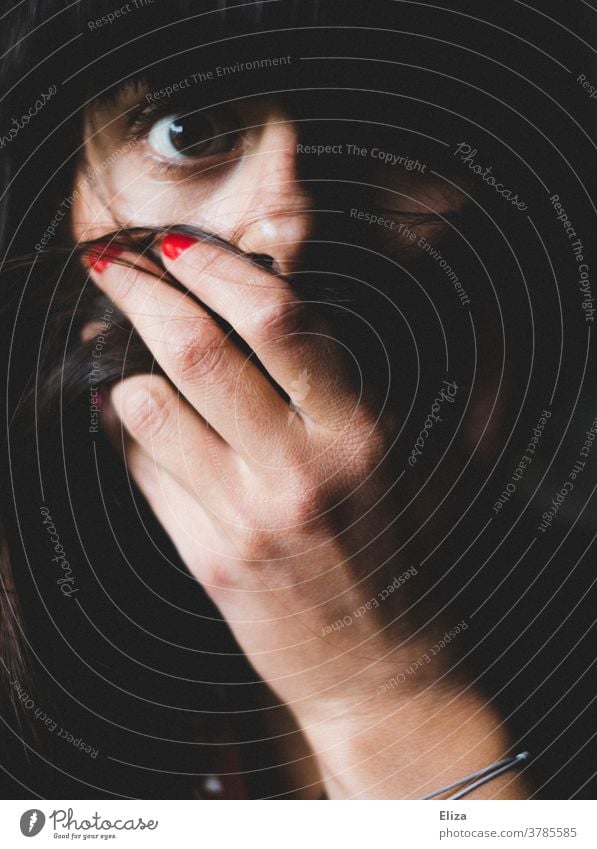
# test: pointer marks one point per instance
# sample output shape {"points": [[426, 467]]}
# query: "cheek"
{"points": [[90, 218], [130, 196]]}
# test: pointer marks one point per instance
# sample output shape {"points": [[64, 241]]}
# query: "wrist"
{"points": [[406, 744]]}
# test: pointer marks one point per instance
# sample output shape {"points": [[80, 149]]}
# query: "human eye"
{"points": [[182, 137]]}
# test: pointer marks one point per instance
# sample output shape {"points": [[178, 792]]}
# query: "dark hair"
{"points": [[49, 662], [153, 735]]}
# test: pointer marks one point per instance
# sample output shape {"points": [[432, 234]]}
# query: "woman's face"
{"points": [[237, 171]]}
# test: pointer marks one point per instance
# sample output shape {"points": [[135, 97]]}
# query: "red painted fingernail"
{"points": [[99, 256], [175, 243]]}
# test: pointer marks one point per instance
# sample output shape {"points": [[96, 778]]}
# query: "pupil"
{"points": [[189, 133]]}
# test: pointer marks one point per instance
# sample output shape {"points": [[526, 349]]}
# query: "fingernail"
{"points": [[175, 243], [99, 256]]}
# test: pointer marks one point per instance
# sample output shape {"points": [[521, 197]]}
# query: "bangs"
{"points": [[81, 52], [92, 47], [74, 54]]}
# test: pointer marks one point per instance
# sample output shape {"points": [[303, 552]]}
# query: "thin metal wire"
{"points": [[484, 775]]}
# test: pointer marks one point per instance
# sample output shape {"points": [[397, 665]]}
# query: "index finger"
{"points": [[293, 342]]}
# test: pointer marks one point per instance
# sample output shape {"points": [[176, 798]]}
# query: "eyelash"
{"points": [[143, 116], [142, 119]]}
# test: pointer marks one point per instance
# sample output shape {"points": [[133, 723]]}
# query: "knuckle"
{"points": [[305, 501], [216, 575], [198, 353], [147, 411], [280, 320], [257, 545], [317, 511]]}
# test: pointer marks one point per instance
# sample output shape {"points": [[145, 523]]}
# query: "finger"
{"points": [[176, 439], [191, 529], [200, 358], [286, 333]]}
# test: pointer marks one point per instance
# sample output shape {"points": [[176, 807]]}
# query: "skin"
{"points": [[282, 512]]}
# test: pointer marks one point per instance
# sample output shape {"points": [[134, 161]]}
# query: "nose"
{"points": [[274, 212]]}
